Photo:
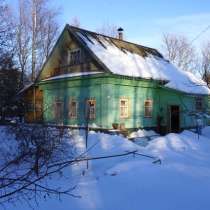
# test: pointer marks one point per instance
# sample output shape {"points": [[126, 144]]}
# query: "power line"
{"points": [[202, 32]]}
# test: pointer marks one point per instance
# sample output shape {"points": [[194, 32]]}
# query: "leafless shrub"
{"points": [[35, 156], [75, 21], [180, 52], [108, 30], [205, 62]]}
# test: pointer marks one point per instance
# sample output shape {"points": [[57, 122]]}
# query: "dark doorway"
{"points": [[174, 119]]}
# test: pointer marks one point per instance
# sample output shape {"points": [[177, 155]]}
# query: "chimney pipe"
{"points": [[120, 33]]}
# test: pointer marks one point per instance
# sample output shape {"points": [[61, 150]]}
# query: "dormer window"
{"points": [[75, 57]]}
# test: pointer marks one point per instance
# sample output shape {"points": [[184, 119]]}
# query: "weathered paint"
{"points": [[107, 91], [57, 62], [33, 100]]}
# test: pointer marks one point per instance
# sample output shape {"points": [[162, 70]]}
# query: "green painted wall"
{"points": [[136, 96], [107, 90]]}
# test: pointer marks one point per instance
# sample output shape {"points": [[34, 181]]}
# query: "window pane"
{"points": [[91, 109], [75, 57], [148, 103], [73, 109], [148, 108], [199, 104], [124, 108], [58, 110]]}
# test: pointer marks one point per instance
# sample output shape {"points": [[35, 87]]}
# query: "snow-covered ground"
{"points": [[181, 182]]}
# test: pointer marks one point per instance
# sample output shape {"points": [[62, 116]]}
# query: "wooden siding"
{"points": [[58, 64], [107, 91], [30, 115]]}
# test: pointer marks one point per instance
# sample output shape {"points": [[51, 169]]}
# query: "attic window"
{"points": [[75, 57]]}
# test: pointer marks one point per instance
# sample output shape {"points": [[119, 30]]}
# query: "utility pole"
{"points": [[20, 34], [87, 129], [33, 54]]}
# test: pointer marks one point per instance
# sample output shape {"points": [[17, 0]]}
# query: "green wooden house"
{"points": [[112, 83]]}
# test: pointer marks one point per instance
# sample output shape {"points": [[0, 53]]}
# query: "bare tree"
{"points": [[9, 75], [29, 161], [7, 33], [44, 30], [205, 63], [23, 39], [36, 154], [179, 51], [75, 21], [108, 30], [37, 30], [49, 33]]}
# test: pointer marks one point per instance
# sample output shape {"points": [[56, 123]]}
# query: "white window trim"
{"points": [[55, 107], [90, 116], [126, 106], [151, 106], [70, 109]]}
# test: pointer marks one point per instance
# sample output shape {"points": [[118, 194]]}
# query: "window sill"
{"points": [[124, 117]]}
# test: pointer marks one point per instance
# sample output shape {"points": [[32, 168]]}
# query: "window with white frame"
{"points": [[73, 109], [91, 109], [198, 103], [124, 108], [74, 57], [148, 108]]}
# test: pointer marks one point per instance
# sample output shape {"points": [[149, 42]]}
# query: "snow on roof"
{"points": [[122, 61], [25, 88], [72, 75]]}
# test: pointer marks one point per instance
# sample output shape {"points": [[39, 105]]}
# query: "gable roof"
{"points": [[121, 57], [125, 58]]}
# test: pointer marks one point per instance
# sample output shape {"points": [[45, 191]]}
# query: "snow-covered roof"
{"points": [[62, 76], [25, 88], [125, 58]]}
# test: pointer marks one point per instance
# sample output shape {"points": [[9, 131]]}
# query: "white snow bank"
{"points": [[101, 143], [143, 133], [142, 137], [123, 62], [206, 132], [186, 144], [181, 182], [8, 144]]}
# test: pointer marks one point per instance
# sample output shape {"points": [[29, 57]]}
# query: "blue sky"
{"points": [[144, 21]]}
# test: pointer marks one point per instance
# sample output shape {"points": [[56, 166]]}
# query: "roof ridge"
{"points": [[96, 33]]}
